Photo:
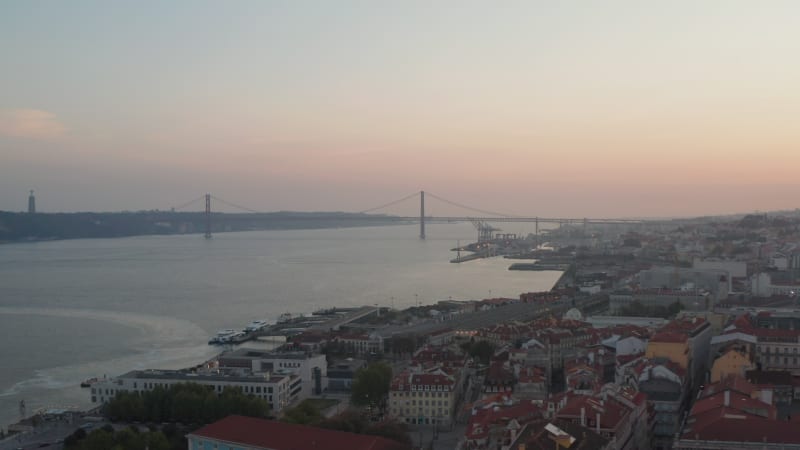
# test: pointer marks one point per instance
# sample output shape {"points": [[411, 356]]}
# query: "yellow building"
{"points": [[670, 345], [732, 362]]}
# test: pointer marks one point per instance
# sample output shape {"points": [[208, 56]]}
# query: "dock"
{"points": [[538, 266], [350, 316]]}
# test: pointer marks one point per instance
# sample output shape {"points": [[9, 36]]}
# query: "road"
{"points": [[446, 439], [479, 319], [45, 435]]}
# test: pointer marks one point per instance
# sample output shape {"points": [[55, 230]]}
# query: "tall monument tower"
{"points": [[31, 203]]}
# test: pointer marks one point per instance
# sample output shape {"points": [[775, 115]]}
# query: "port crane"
{"points": [[484, 230]]}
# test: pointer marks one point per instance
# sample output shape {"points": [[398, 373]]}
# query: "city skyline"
{"points": [[614, 109]]}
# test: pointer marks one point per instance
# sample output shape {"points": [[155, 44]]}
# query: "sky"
{"points": [[542, 108]]}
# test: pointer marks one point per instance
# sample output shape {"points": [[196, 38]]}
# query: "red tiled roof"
{"points": [[405, 380], [431, 379], [736, 401], [790, 335], [686, 325], [669, 336], [269, 434], [725, 424], [611, 412], [731, 382], [481, 421]]}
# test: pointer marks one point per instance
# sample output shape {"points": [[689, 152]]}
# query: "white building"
{"points": [[278, 390], [762, 285], [311, 368]]}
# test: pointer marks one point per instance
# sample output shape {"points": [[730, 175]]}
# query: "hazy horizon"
{"points": [[598, 109]]}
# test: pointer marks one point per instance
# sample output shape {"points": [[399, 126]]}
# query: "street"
{"points": [[445, 439]]}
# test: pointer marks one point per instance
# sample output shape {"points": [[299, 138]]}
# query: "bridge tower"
{"points": [[31, 203], [208, 216], [422, 214]]}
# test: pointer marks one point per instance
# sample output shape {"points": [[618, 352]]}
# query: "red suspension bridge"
{"points": [[478, 216]]}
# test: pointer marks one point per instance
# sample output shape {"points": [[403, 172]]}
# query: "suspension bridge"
{"points": [[480, 217]]}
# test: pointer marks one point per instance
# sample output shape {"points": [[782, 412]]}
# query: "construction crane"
{"points": [[484, 230]]}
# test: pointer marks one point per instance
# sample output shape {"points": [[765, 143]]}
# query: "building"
{"points": [[424, 398], [608, 417], [342, 373], [732, 362], [279, 391], [238, 433], [359, 343], [778, 349], [687, 342], [499, 378], [311, 368], [766, 284], [690, 299], [712, 280], [666, 386], [611, 321], [670, 345], [544, 434], [778, 385], [494, 422], [736, 415], [775, 348], [531, 383]]}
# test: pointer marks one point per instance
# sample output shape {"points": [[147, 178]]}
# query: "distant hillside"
{"points": [[15, 227]]}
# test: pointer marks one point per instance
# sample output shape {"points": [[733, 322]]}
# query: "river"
{"points": [[75, 309]]}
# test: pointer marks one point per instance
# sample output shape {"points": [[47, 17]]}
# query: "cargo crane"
{"points": [[484, 230]]}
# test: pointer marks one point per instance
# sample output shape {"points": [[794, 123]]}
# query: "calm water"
{"points": [[75, 309]]}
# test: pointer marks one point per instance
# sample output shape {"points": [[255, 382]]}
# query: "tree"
{"points": [[98, 440], [303, 414], [371, 384], [186, 403], [391, 429], [480, 350], [349, 421], [127, 439]]}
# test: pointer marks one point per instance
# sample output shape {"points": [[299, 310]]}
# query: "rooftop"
{"points": [[730, 425], [272, 435], [200, 377]]}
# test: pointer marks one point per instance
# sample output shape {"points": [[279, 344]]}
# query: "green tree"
{"points": [[98, 440], [371, 384], [349, 421], [481, 351], [394, 430], [157, 441], [186, 403], [303, 414]]}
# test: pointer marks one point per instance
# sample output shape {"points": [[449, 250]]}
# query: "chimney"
{"points": [[727, 398], [583, 416]]}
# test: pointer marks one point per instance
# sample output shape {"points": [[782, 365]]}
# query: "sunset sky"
{"points": [[592, 108]]}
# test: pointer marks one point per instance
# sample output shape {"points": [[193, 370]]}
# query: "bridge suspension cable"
{"points": [[459, 205], [234, 205], [184, 205], [415, 194]]}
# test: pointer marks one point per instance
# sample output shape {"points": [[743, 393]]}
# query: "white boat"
{"points": [[256, 325], [222, 336]]}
